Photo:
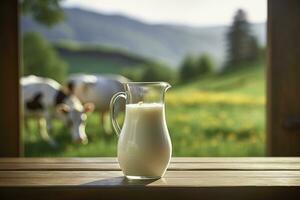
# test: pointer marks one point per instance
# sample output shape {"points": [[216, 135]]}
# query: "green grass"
{"points": [[91, 58], [221, 115], [250, 81], [92, 65]]}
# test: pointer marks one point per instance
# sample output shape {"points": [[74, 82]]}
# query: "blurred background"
{"points": [[212, 52]]}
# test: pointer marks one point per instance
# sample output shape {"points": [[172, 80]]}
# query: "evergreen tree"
{"points": [[242, 45]]}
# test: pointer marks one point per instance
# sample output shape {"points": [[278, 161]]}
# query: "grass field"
{"points": [[221, 115], [97, 58], [90, 65]]}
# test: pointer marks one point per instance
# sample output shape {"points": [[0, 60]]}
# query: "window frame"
{"points": [[280, 141], [10, 134]]}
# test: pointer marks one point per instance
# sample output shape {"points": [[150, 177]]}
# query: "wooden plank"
{"points": [[172, 166], [189, 183], [173, 160], [177, 164], [10, 143], [168, 174], [145, 193], [283, 77], [171, 179]]}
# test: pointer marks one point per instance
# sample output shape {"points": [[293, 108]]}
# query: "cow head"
{"points": [[75, 116]]}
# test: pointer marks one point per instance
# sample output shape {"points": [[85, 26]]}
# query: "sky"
{"points": [[187, 12]]}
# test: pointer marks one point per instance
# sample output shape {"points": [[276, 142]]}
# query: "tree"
{"points": [[47, 12], [188, 69], [204, 65], [192, 68], [158, 72], [40, 58], [242, 45]]}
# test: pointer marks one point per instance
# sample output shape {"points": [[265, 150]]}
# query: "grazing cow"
{"points": [[97, 89], [44, 98]]}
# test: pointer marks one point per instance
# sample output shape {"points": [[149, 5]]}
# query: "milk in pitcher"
{"points": [[144, 147]]}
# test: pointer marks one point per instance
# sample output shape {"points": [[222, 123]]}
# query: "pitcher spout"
{"points": [[166, 86]]}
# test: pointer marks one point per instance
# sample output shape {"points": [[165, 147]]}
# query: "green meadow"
{"points": [[219, 115]]}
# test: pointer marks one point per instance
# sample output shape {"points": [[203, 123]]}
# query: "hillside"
{"points": [[167, 43], [247, 81], [97, 59]]}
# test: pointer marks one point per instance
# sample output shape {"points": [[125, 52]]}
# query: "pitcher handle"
{"points": [[113, 100]]}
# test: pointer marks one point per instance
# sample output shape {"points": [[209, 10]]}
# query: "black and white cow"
{"points": [[97, 89], [44, 98]]}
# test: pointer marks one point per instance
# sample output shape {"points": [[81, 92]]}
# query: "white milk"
{"points": [[144, 147]]}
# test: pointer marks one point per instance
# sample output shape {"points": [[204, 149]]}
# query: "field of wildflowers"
{"points": [[217, 130], [217, 116]]}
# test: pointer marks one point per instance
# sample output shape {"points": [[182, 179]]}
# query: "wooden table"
{"points": [[186, 178]]}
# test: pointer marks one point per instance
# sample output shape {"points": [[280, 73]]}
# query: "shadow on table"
{"points": [[115, 181]]}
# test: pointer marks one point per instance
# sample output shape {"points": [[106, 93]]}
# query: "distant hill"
{"points": [[166, 42], [99, 52], [98, 59]]}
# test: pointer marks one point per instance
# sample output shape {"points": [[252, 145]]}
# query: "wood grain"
{"points": [[171, 178], [283, 76], [151, 193], [177, 164], [190, 178], [173, 160], [10, 143]]}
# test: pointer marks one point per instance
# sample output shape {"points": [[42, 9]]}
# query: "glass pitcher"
{"points": [[144, 145]]}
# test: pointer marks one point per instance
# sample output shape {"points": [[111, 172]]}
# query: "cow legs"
{"points": [[42, 125], [48, 123], [102, 119], [105, 122]]}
